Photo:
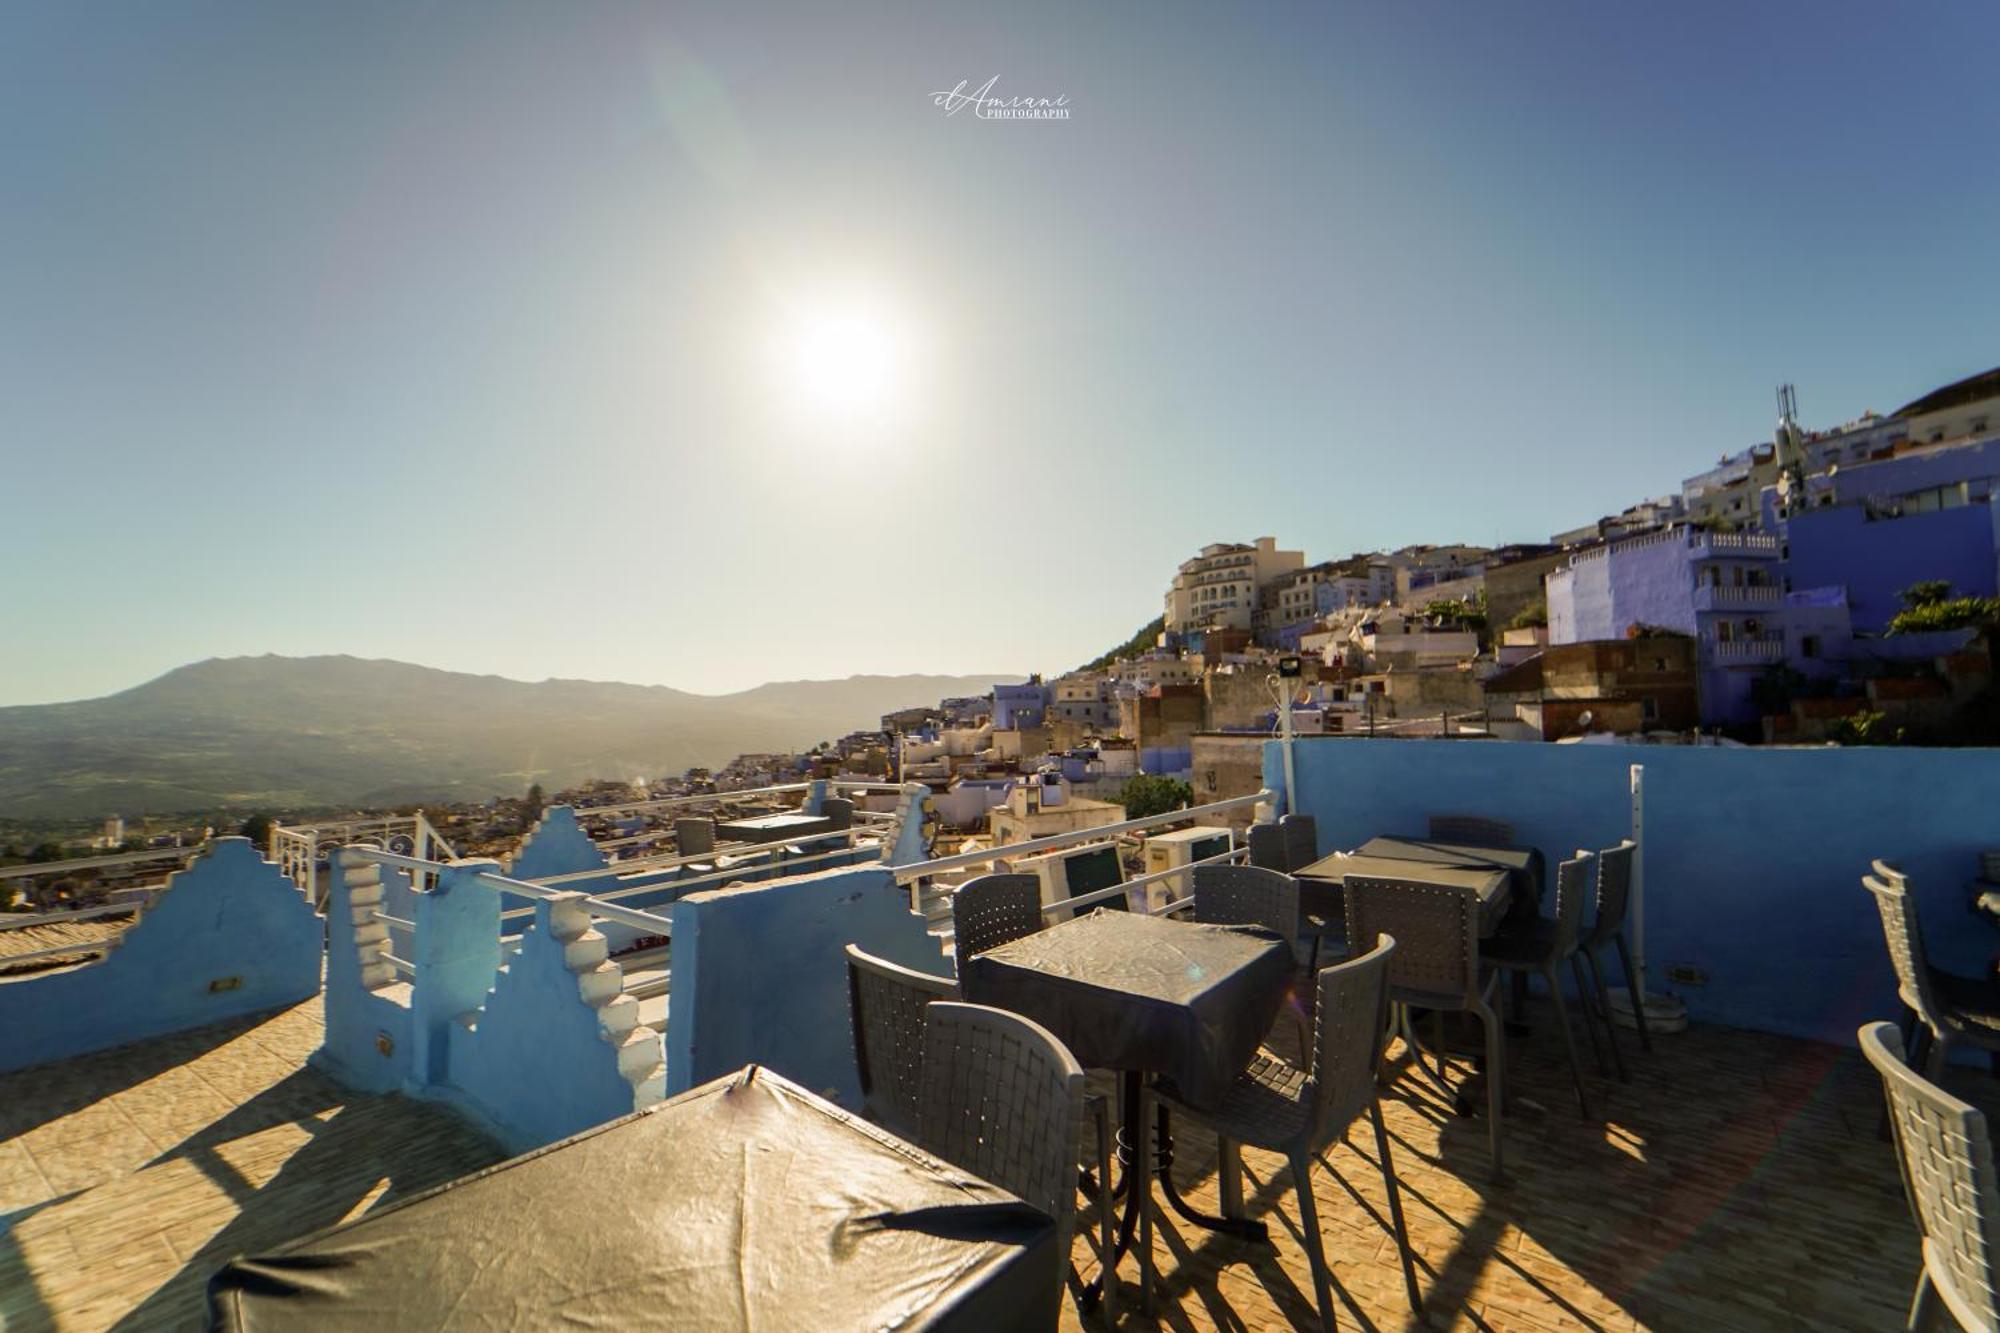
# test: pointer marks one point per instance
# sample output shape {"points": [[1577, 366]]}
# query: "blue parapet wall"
{"points": [[228, 936], [760, 975], [367, 1041], [556, 845], [1753, 857]]}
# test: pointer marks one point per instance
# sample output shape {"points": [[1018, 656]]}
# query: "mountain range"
{"points": [[306, 732]]}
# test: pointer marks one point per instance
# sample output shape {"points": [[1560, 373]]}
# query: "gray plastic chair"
{"points": [[1301, 834], [694, 836], [989, 911], [1948, 1007], [1471, 830], [886, 1003], [1003, 1099], [839, 811], [1233, 895], [1542, 945], [1435, 966], [1614, 896], [1302, 1112], [1948, 1170], [1267, 847]]}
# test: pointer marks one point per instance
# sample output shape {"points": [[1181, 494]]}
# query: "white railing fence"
{"points": [[298, 850]]}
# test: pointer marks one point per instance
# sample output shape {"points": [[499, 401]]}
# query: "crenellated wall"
{"points": [[230, 935], [367, 1043]]}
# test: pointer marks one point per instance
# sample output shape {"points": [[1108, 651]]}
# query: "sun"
{"points": [[843, 356]]}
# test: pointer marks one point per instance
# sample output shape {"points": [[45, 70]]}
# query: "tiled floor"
{"points": [[1735, 1183], [128, 1177]]}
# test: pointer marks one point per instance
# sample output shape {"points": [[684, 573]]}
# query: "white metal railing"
{"points": [[985, 856], [738, 851], [1750, 594], [298, 849], [753, 857]]}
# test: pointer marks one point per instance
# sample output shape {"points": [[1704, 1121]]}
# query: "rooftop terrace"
{"points": [[1736, 1182]]}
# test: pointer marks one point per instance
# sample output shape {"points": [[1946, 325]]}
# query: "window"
{"points": [[1809, 645], [1649, 710], [1723, 631]]}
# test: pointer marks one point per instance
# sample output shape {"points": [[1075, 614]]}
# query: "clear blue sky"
{"points": [[444, 331]]}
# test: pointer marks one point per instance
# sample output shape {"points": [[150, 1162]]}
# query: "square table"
{"points": [[1429, 863], [1146, 994], [747, 1203], [773, 828]]}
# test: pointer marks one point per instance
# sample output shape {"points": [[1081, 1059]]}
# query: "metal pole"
{"points": [[1285, 731], [1639, 883]]}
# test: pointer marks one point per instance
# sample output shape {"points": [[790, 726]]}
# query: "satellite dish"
{"points": [[1583, 719]]}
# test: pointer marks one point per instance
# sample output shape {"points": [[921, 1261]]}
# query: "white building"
{"points": [[1219, 588]]}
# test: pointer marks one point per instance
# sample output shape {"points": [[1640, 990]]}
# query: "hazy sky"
{"points": [[471, 334]]}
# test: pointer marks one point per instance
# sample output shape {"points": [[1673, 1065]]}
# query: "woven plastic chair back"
{"points": [[1614, 892], [989, 911], [1349, 1029], [1267, 847], [1301, 834], [1904, 935], [885, 1003], [839, 811], [1472, 830], [1572, 887], [1953, 1185], [1436, 929], [1233, 895], [694, 837], [1003, 1099]]}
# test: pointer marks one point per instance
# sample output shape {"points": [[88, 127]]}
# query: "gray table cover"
{"points": [[1491, 883], [747, 1203], [1133, 992], [1524, 865]]}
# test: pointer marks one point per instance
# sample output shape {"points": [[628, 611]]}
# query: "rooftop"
{"points": [[1738, 1178], [130, 1176]]}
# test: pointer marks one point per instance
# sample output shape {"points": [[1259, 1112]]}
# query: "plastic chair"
{"points": [[1471, 830], [1948, 1007], [1614, 894], [1233, 895], [1542, 945], [1435, 966], [1002, 1098], [839, 811], [1267, 848], [1301, 835], [886, 1003], [1948, 1170], [1301, 1112], [989, 911]]}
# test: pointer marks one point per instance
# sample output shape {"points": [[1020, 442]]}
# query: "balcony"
{"points": [[1744, 652], [1714, 597], [1708, 544]]}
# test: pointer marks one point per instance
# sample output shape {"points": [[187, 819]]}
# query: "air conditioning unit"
{"points": [[1075, 871], [1182, 847]]}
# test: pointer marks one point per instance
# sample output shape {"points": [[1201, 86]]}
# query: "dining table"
{"points": [[1146, 996], [1503, 877], [746, 1203]]}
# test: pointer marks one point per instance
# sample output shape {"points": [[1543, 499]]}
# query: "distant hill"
{"points": [[289, 732]]}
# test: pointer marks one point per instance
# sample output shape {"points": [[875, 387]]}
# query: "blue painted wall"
{"points": [[759, 975], [367, 1042], [229, 915], [1876, 560], [556, 845], [537, 1067], [1752, 859]]}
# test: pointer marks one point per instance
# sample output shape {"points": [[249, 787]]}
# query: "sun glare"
{"points": [[843, 357]]}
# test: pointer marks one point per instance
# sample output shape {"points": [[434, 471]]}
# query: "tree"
{"points": [[1534, 615], [1929, 592], [257, 828], [1151, 794], [1867, 728], [536, 799]]}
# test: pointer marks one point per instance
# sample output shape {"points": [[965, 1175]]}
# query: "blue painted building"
{"points": [[1019, 706], [1724, 589]]}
